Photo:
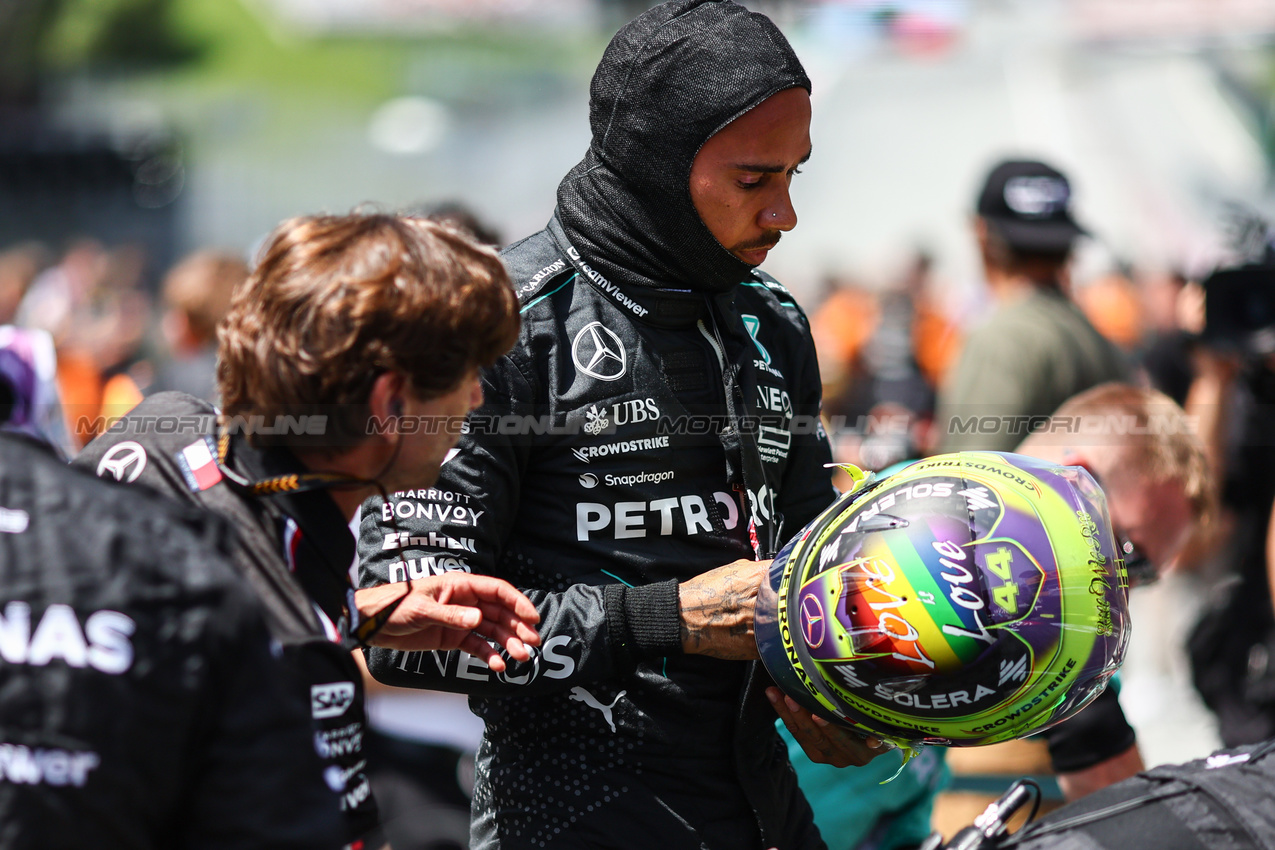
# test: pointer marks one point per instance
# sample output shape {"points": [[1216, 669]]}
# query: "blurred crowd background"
{"points": [[146, 146], [135, 132]]}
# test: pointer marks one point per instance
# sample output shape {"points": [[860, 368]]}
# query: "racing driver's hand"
{"points": [[457, 610], [823, 742]]}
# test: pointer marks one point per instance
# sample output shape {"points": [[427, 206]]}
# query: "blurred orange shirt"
{"points": [[1113, 307]]}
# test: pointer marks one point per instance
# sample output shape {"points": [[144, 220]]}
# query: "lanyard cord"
{"points": [[356, 630], [296, 482]]}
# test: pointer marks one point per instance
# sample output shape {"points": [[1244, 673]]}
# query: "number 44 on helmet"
{"points": [[968, 599]]}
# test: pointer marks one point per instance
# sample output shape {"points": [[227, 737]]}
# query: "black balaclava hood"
{"points": [[669, 80]]}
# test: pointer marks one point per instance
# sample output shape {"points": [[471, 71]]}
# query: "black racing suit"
{"points": [[606, 465], [295, 551], [140, 703]]}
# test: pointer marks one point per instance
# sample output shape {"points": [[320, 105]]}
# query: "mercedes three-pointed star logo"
{"points": [[125, 462], [599, 353], [813, 624]]}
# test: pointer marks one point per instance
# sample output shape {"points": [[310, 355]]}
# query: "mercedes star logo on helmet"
{"points": [[599, 353], [812, 620], [125, 462]]}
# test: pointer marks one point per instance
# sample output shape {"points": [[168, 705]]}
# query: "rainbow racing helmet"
{"points": [[968, 599]]}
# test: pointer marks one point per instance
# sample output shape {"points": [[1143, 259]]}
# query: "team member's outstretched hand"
{"points": [[473, 613]]}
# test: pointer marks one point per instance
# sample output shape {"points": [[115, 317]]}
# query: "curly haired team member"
{"points": [[348, 327], [657, 418]]}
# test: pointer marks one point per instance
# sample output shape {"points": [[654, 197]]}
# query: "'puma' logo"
{"points": [[581, 695]]}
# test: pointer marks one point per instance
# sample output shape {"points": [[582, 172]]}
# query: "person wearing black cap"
{"points": [[657, 418], [1037, 349]]}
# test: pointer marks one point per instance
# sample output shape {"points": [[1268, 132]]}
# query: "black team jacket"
{"points": [[293, 549], [140, 703]]}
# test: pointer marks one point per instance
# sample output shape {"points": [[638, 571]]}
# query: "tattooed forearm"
{"points": [[717, 611]]}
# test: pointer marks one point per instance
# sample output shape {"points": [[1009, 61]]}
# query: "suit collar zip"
{"points": [[739, 442]]}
